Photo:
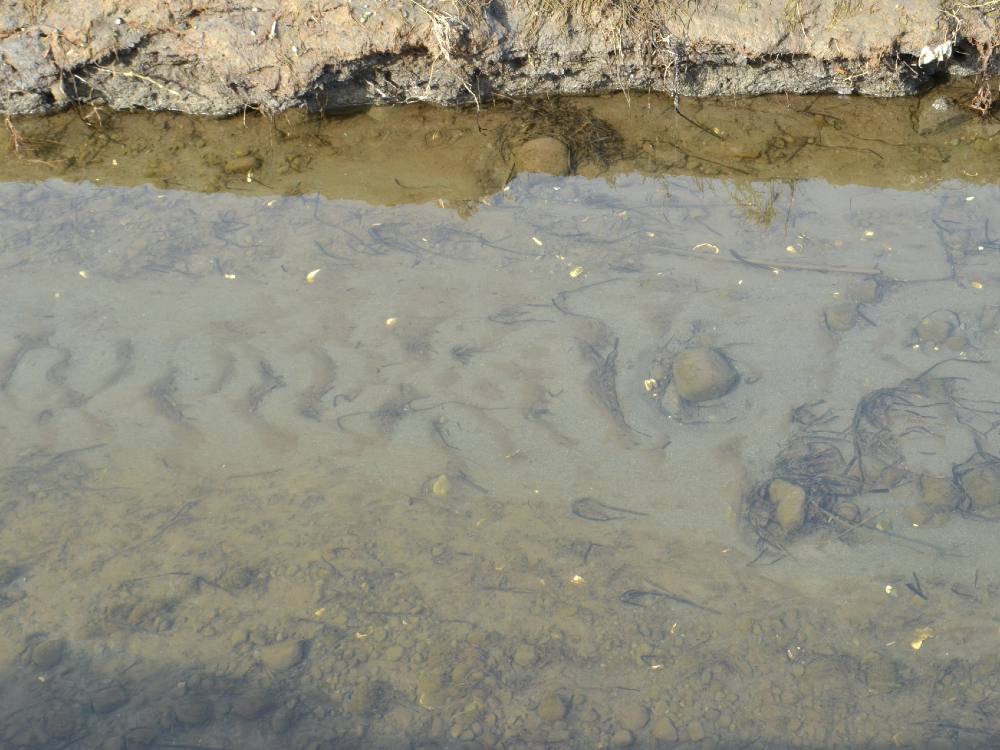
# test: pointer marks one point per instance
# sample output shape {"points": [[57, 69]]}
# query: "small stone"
{"points": [[939, 114], [193, 709], [939, 493], [441, 486], [703, 375], [622, 738], [282, 720], [865, 291], [634, 716], [394, 653], [934, 330], [552, 708], [254, 702], [525, 655], [919, 514], [695, 731], [789, 504], [982, 486], [956, 343], [241, 164], [106, 700], [848, 511], [48, 654], [281, 656], [881, 672], [841, 317], [664, 730], [547, 155]]}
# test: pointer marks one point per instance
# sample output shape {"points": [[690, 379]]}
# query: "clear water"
{"points": [[397, 455]]}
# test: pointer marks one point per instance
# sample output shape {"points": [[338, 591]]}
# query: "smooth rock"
{"points": [[982, 486], [106, 700], [61, 722], [281, 656], [841, 317], [193, 709], [552, 708], [633, 716], [548, 155], [789, 504], [865, 291], [938, 114], [933, 330], [703, 375], [939, 493], [241, 164], [254, 702], [525, 655], [664, 730], [881, 672], [919, 514], [622, 738], [48, 654], [695, 731]]}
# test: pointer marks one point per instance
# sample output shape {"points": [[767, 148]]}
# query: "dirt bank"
{"points": [[223, 57]]}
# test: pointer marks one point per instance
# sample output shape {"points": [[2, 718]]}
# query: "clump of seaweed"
{"points": [[831, 467]]}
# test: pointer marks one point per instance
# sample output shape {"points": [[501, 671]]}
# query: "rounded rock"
{"points": [[939, 493], [841, 317], [525, 655], [48, 654], [622, 738], [547, 155], [193, 709], [789, 504], [664, 730], [695, 731], [982, 486], [281, 656], [634, 717], [552, 708], [703, 375], [106, 700], [254, 702]]}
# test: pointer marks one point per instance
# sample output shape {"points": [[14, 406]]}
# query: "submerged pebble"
{"points": [[841, 317], [281, 656], [982, 486], [703, 375], [552, 708], [939, 493], [789, 504], [48, 654], [193, 709]]}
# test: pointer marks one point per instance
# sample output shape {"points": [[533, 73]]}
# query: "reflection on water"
{"points": [[678, 461]]}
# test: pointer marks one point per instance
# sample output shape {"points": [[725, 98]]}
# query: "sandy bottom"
{"points": [[296, 472]]}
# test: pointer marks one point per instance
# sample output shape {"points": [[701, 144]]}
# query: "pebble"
{"points": [[241, 164], [193, 709], [982, 485], [547, 155], [934, 330], [525, 656], [107, 699], [394, 653], [622, 738], [789, 504], [841, 316], [703, 375], [664, 730], [634, 716], [281, 656], [254, 702], [48, 654], [919, 514], [695, 731], [552, 708], [939, 493], [61, 722], [865, 291]]}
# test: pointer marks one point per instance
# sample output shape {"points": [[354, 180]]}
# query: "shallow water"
{"points": [[342, 462]]}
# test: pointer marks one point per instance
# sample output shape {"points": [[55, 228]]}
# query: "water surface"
{"points": [[391, 454]]}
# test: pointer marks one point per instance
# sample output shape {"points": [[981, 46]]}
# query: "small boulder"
{"points": [[547, 155], [703, 375], [789, 504], [48, 654]]}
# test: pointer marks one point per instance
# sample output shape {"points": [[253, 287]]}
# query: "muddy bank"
{"points": [[213, 57]]}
